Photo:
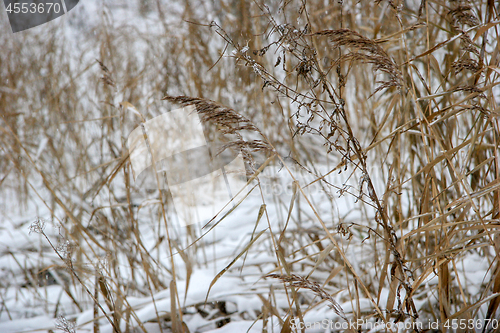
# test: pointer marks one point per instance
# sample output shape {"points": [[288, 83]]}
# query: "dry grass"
{"points": [[389, 105]]}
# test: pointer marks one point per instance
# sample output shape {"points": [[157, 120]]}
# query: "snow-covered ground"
{"points": [[66, 235]]}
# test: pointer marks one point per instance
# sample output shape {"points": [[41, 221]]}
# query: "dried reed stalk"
{"points": [[365, 50]]}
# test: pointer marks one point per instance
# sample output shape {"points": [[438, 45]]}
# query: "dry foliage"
{"points": [[391, 107]]}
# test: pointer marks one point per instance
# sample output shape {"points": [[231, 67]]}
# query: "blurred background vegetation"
{"points": [[391, 106]]}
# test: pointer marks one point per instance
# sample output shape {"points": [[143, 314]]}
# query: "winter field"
{"points": [[358, 141]]}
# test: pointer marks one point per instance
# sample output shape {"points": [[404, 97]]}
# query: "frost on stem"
{"points": [[37, 226], [64, 325], [64, 248]]}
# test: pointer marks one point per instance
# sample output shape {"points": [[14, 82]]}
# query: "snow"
{"points": [[29, 305], [27, 324]]}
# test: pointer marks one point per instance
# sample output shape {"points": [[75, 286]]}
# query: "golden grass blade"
{"points": [[218, 276]]}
